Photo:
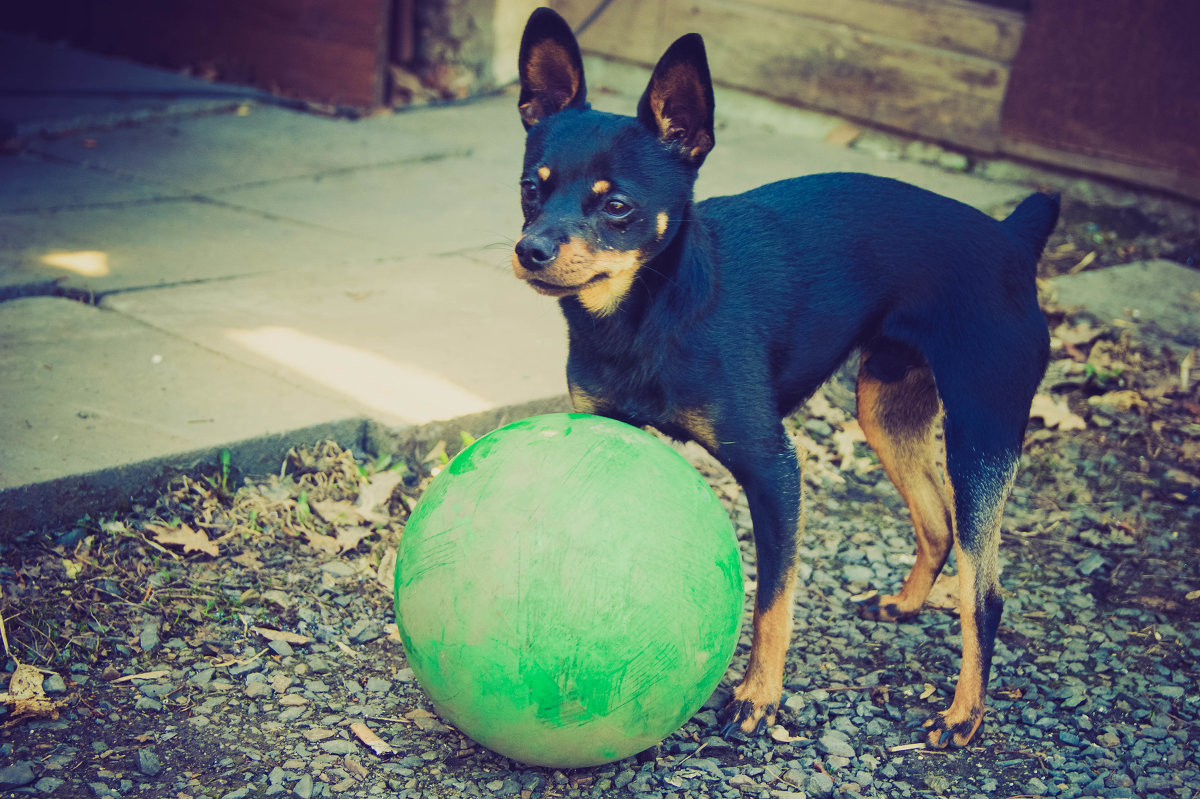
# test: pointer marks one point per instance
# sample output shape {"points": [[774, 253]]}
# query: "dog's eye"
{"points": [[617, 209], [529, 190]]}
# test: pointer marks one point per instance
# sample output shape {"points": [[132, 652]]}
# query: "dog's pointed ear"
{"points": [[678, 104], [550, 67]]}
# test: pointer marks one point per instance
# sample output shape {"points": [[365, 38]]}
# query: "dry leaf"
{"points": [[780, 733], [1182, 477], [338, 513], [1084, 263], [322, 542], [145, 675], [371, 740], [438, 453], [929, 691], [843, 135], [281, 635], [385, 575], [1122, 401], [1055, 414], [1076, 334], [26, 697], [249, 560], [318, 734], [184, 536], [944, 593], [349, 537], [354, 767], [376, 493]]}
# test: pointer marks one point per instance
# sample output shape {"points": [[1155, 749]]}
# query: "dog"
{"points": [[713, 321]]}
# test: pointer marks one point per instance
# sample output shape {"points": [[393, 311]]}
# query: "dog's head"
{"points": [[603, 194]]}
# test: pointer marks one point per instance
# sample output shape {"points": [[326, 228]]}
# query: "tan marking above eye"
{"points": [[544, 172], [601, 187], [662, 220]]}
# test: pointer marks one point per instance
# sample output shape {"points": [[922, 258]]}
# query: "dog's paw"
{"points": [[886, 608], [743, 715], [948, 728]]}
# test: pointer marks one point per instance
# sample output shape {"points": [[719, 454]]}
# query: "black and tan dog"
{"points": [[712, 321]]}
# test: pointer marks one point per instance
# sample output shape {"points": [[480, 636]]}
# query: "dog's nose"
{"points": [[536, 252]]}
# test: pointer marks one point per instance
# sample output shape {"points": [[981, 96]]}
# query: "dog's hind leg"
{"points": [[986, 400], [899, 411]]}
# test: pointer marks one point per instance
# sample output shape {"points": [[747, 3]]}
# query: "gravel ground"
{"points": [[233, 637]]}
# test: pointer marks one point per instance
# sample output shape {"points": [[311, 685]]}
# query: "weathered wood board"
{"points": [[935, 68]]}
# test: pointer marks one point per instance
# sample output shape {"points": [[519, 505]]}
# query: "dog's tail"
{"points": [[1033, 220]]}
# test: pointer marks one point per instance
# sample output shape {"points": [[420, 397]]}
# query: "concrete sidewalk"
{"points": [[183, 272]]}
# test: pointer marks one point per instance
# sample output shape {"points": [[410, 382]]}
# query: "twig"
{"points": [[689, 755], [4, 637], [906, 747]]}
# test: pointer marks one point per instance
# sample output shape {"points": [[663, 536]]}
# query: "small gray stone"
{"points": [[1091, 563], [48, 784], [836, 742], [148, 640], [238, 793], [281, 648], [939, 784], [820, 785], [53, 684], [365, 631], [257, 690], [376, 685], [304, 787], [856, 573], [148, 762], [17, 774], [339, 746], [339, 569], [238, 669], [202, 677]]}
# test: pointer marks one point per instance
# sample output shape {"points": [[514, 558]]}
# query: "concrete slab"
{"points": [[45, 88], [202, 154], [405, 342], [108, 248], [34, 184], [1162, 297], [86, 390], [432, 207]]}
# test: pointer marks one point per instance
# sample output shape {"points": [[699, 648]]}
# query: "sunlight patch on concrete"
{"points": [[89, 263], [400, 390]]}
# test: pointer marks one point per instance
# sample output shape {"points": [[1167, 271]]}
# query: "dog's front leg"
{"points": [[771, 480]]}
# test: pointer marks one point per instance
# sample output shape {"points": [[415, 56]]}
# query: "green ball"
{"points": [[568, 591]]}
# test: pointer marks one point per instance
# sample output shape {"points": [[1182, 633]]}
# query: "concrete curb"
{"points": [[57, 503]]}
